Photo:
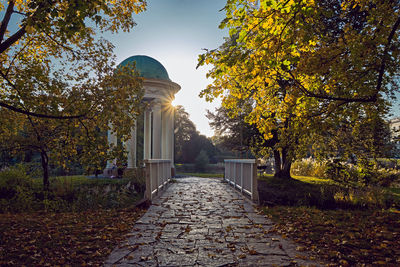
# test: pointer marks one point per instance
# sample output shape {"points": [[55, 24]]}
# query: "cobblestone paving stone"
{"points": [[204, 222]]}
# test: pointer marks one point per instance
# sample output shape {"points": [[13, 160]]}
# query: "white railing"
{"points": [[158, 174], [242, 175]]}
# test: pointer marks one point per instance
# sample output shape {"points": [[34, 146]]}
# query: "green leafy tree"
{"points": [[188, 141], [201, 161], [58, 78], [307, 66], [184, 130], [234, 134]]}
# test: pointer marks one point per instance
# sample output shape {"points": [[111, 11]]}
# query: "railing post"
{"points": [[147, 172], [254, 184], [251, 180], [239, 175], [158, 177], [234, 175], [225, 170], [162, 175], [229, 172]]}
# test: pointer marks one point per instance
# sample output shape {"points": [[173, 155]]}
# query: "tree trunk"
{"points": [[277, 158], [45, 166], [285, 173], [282, 164]]}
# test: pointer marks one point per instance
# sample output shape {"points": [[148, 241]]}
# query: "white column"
{"points": [[147, 135], [171, 135], [168, 133], [112, 140], [130, 146], [157, 131], [165, 132]]}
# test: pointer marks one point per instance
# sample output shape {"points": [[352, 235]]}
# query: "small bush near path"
{"points": [[60, 239], [342, 237]]}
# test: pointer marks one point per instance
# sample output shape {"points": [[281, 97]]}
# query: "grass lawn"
{"points": [[74, 239], [342, 226], [341, 237], [78, 180], [305, 179], [202, 175], [324, 193]]}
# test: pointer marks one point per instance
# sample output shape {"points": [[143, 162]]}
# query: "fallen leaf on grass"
{"points": [[40, 236], [359, 237]]}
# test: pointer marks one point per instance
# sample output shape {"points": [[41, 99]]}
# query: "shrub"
{"points": [[11, 179], [20, 193], [337, 171], [386, 177], [309, 167], [303, 167], [202, 161], [16, 189], [366, 172], [137, 177]]}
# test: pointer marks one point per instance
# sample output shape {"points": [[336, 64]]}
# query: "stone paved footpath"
{"points": [[204, 222]]}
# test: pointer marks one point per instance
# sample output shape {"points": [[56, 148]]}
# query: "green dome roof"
{"points": [[148, 67]]}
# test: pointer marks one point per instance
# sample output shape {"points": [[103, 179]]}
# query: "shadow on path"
{"points": [[204, 222]]}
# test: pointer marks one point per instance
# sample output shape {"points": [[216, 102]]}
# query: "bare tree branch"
{"points": [[6, 19], [385, 55], [12, 39], [39, 115]]}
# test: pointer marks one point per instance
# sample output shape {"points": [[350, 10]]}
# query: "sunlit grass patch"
{"points": [[313, 180], [324, 193]]}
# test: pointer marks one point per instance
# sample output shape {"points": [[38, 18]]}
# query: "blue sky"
{"points": [[174, 32]]}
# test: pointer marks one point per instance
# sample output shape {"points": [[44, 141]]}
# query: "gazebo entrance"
{"points": [[153, 135]]}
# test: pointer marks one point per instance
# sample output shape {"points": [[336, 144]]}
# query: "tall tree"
{"points": [[61, 141], [59, 79], [188, 141], [184, 130], [235, 134], [304, 64]]}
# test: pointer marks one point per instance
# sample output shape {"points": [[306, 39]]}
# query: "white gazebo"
{"points": [[153, 136]]}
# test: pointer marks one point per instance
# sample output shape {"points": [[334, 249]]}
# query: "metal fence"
{"points": [[158, 174], [242, 175]]}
